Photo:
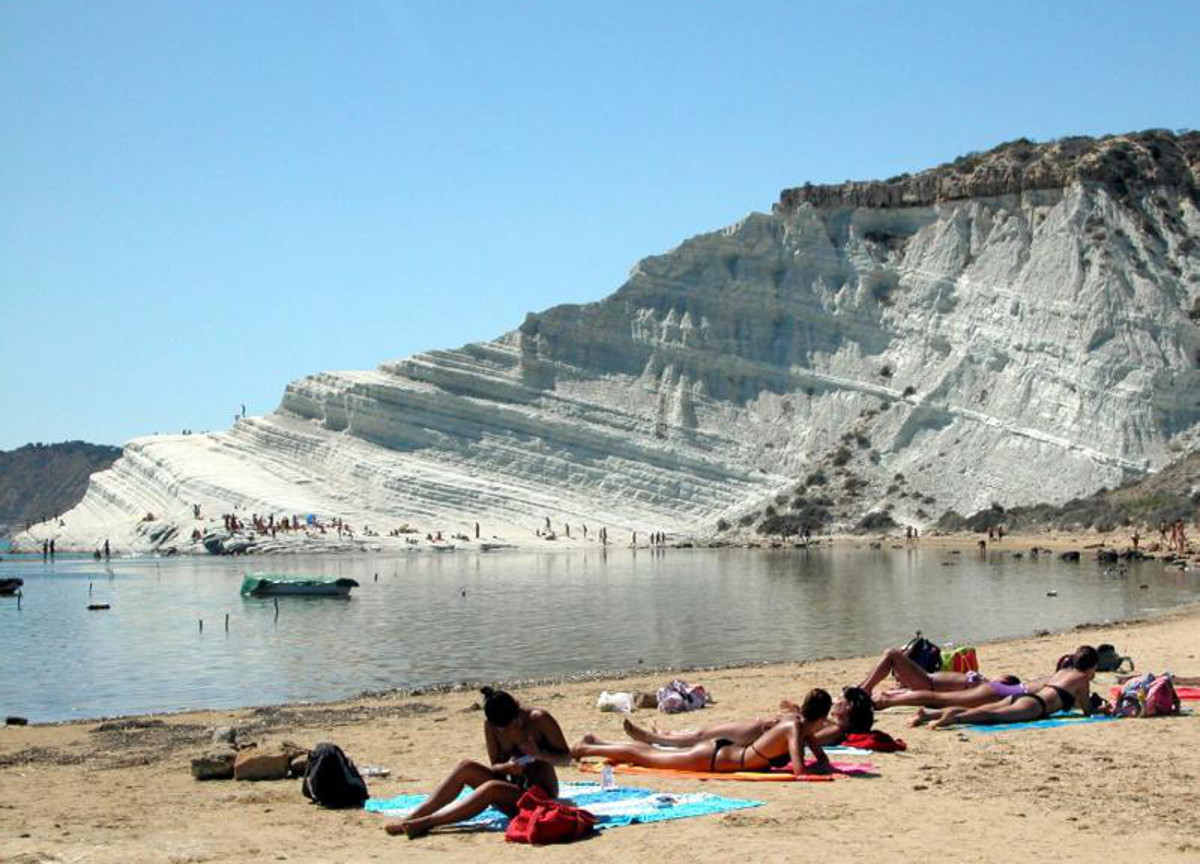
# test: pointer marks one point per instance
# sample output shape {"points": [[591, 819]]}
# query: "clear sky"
{"points": [[201, 201]]}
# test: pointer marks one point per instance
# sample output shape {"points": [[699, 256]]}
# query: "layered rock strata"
{"points": [[928, 344]]}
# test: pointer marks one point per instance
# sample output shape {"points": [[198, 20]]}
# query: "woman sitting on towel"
{"points": [[523, 744], [851, 713], [784, 742], [1067, 688]]}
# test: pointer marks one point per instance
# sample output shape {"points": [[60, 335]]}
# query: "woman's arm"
{"points": [[796, 747], [495, 753], [818, 754], [553, 747]]}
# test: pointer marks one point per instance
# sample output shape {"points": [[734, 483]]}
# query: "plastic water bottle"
{"points": [[607, 781]]}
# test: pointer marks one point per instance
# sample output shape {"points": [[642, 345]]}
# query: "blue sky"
{"points": [[205, 200]]}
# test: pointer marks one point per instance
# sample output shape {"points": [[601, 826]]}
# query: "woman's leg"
{"points": [[741, 732], [994, 714], [494, 793], [894, 662], [972, 698], [466, 773], [697, 758]]}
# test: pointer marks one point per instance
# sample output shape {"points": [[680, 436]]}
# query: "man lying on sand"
{"points": [[850, 714], [778, 745], [1062, 691], [523, 744]]}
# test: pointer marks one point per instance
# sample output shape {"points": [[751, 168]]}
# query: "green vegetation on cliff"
{"points": [[38, 481]]}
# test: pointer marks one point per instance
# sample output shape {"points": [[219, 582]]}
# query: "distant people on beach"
{"points": [[524, 745]]}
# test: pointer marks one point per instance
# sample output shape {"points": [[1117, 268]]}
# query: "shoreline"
{"points": [[1072, 787], [296, 546], [602, 676]]}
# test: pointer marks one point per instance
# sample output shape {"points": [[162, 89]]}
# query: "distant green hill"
{"points": [[38, 481]]}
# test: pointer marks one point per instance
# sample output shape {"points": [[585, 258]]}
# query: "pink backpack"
{"points": [[1161, 698]]}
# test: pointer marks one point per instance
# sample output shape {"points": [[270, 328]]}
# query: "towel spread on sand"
{"points": [[612, 808], [777, 775], [1071, 719]]}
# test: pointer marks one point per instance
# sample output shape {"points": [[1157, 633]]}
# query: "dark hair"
{"points": [[816, 705], [861, 716], [1086, 658], [1011, 680], [1066, 661], [499, 707]]}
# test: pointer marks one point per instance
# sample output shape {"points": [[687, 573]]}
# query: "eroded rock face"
{"points": [[943, 352], [1127, 165]]}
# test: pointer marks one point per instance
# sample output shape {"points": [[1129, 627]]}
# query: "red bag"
{"points": [[540, 819], [877, 740]]}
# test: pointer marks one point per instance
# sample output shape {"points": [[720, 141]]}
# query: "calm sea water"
{"points": [[523, 615]]}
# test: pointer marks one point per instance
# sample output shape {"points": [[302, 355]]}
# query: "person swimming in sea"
{"points": [[784, 742], [1067, 688], [524, 745]]}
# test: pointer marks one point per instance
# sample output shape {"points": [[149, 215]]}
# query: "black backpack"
{"points": [[331, 779], [924, 653]]}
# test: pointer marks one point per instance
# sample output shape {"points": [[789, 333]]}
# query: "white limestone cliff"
{"points": [[1027, 346]]}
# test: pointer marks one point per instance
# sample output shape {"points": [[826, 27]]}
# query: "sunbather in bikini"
{"points": [[784, 742], [896, 663], [982, 693], [850, 713], [1062, 691], [523, 744]]}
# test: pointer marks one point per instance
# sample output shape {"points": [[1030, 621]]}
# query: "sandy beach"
{"points": [[122, 791]]}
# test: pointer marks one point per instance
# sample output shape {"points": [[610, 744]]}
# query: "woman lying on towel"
{"points": [[523, 744], [852, 713], [981, 692], [781, 743], [896, 663], [1065, 689]]}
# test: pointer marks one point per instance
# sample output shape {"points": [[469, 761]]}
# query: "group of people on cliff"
{"points": [[525, 744]]}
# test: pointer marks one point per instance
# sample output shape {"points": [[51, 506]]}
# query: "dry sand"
{"points": [[122, 791]]}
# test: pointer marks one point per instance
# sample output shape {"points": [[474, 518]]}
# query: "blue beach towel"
{"points": [[612, 808], [1071, 719]]}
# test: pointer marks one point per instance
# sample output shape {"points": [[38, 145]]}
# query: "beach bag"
{"points": [[924, 653], [331, 779], [961, 659], [1161, 698], [679, 696], [1108, 660], [541, 819]]}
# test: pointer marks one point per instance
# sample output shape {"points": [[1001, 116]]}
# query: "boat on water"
{"points": [[283, 585], [8, 587], [441, 546], [492, 546]]}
